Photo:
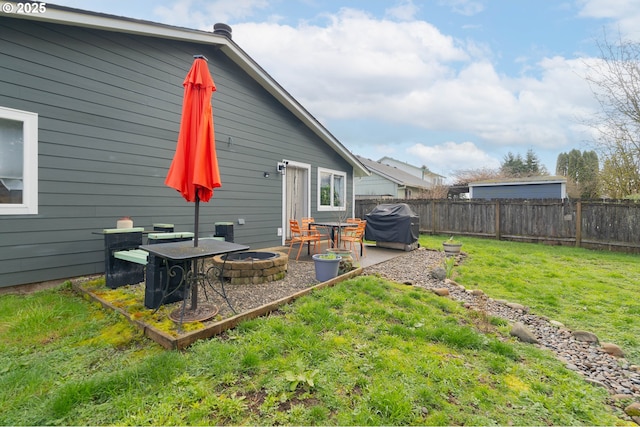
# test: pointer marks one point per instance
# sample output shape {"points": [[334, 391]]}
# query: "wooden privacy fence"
{"points": [[613, 225]]}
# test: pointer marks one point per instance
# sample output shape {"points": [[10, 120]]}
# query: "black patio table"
{"points": [[189, 261], [335, 226]]}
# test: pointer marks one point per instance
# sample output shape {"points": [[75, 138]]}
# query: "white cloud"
{"points": [[202, 14], [450, 157], [405, 11], [355, 58], [410, 74], [624, 15], [464, 7], [180, 13], [228, 10], [384, 150], [347, 71]]}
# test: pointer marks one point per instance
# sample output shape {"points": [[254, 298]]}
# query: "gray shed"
{"points": [[538, 187]]}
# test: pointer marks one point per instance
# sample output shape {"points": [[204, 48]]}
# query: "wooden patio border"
{"points": [[184, 340]]}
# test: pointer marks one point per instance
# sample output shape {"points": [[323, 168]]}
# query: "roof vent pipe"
{"points": [[222, 30]]}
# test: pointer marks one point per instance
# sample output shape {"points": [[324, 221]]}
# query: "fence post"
{"points": [[433, 215], [497, 220], [578, 224]]}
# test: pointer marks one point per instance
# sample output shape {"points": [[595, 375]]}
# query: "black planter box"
{"points": [[119, 272], [160, 288]]}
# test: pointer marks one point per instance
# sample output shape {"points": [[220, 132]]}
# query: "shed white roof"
{"points": [[520, 181]]}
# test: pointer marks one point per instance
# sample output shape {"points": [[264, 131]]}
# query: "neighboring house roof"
{"points": [[82, 18], [394, 174], [387, 160], [520, 181]]}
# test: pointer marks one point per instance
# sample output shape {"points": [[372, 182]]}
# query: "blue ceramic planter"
{"points": [[326, 268]]}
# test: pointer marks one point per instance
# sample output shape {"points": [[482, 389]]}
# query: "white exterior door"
{"points": [[297, 193]]}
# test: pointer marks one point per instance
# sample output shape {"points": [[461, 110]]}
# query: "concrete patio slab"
{"points": [[372, 255]]}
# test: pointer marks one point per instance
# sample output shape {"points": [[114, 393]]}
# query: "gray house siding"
{"points": [[389, 181], [521, 191], [376, 186], [109, 109]]}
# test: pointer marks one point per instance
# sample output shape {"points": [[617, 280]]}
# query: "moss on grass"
{"points": [[130, 299]]}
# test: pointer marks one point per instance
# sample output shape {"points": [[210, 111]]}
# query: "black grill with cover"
{"points": [[393, 225]]}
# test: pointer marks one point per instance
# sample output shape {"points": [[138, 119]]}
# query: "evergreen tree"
{"points": [[516, 167], [562, 164], [512, 165], [582, 171]]}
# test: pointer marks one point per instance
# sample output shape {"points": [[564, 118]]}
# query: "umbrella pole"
{"points": [[196, 221], [194, 266]]}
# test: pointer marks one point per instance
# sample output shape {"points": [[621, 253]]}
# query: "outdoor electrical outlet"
{"points": [[279, 232], [240, 221]]}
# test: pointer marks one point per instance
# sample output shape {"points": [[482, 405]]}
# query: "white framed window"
{"points": [[18, 162], [332, 190]]}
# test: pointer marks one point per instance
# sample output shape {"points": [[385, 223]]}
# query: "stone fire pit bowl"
{"points": [[252, 267]]}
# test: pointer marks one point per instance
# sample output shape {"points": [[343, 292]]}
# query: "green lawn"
{"points": [[365, 352], [584, 289]]}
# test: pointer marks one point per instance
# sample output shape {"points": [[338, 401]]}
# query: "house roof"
{"points": [[394, 174], [520, 181], [82, 18], [408, 165]]}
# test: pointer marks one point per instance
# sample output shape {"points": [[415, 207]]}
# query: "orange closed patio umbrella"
{"points": [[194, 170]]}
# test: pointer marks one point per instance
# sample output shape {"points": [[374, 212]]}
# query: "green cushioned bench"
{"points": [[172, 235], [137, 256], [124, 262], [140, 256], [122, 230], [121, 271]]}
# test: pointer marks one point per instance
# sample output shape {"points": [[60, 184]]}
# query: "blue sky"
{"points": [[450, 84]]}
